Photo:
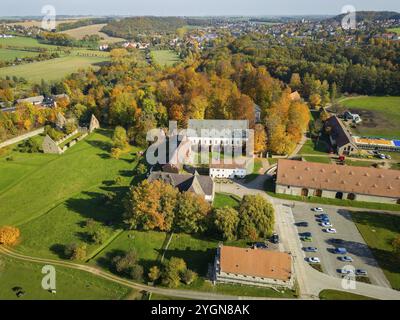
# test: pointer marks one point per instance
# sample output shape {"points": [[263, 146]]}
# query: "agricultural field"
{"points": [[24, 42], [11, 54], [38, 23], [380, 115], [52, 70], [396, 30], [71, 284], [165, 57], [95, 29]]}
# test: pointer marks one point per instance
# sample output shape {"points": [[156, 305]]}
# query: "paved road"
{"points": [[187, 294], [21, 137], [311, 281]]}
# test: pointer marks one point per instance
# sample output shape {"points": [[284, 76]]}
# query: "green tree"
{"points": [[257, 218], [99, 236], [226, 222], [191, 213], [189, 277], [154, 274], [173, 272], [120, 139], [75, 251], [136, 272], [124, 264]]}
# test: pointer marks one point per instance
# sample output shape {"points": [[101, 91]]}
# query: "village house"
{"points": [[255, 267], [306, 179], [200, 185], [228, 171], [340, 137]]}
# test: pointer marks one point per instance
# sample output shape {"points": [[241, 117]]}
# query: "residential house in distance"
{"points": [[340, 137], [255, 267], [200, 185], [305, 179]]}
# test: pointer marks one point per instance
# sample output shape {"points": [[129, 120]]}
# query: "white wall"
{"points": [[228, 173]]}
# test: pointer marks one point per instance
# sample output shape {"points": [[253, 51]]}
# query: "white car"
{"points": [[313, 260], [318, 210], [346, 259], [346, 271], [331, 230], [326, 224]]}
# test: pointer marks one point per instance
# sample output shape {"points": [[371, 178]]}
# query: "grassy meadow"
{"points": [[380, 115], [165, 57]]}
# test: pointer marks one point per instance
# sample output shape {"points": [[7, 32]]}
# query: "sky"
{"points": [[192, 7]]}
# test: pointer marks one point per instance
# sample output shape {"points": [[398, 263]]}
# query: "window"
{"points": [[339, 195], [351, 196], [304, 192], [318, 193]]}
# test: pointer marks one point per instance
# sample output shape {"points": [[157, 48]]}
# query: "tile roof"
{"points": [[359, 180], [256, 263], [339, 132], [202, 185]]}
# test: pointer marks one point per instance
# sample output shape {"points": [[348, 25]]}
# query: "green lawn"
{"points": [[70, 284], [62, 192], [51, 70], [11, 55], [378, 231], [258, 165], [359, 163], [310, 147], [225, 200], [341, 295], [165, 57], [381, 115], [319, 159]]}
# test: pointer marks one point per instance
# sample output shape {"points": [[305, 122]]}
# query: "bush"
{"points": [[29, 146], [154, 274], [75, 252], [9, 235], [189, 277], [136, 272]]}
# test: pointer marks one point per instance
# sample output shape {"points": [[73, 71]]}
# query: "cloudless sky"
{"points": [[192, 7]]}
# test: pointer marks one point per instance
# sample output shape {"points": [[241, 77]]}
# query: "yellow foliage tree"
{"points": [[9, 235]]}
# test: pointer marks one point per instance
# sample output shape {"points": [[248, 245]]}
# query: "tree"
{"points": [[295, 82], [136, 272], [226, 221], [189, 277], [124, 264], [9, 235], [191, 212], [257, 218], [99, 236], [116, 153], [315, 100], [154, 274], [75, 251], [120, 139], [396, 245], [30, 146], [260, 139], [141, 169], [151, 206], [174, 270]]}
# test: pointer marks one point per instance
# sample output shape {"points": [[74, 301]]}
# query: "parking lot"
{"points": [[347, 237]]}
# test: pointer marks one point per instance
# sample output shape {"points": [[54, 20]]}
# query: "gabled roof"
{"points": [[202, 185], [256, 263], [339, 132], [359, 180]]}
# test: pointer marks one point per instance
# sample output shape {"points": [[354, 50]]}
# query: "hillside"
{"points": [[369, 16], [129, 27]]}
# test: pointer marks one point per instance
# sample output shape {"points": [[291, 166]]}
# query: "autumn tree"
{"points": [[226, 221], [257, 218], [75, 251], [154, 274], [9, 235], [295, 82], [120, 139], [151, 206], [173, 271], [260, 139]]}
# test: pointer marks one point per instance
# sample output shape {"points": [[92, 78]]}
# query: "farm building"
{"points": [[256, 267], [305, 179], [377, 144], [340, 137], [200, 185]]}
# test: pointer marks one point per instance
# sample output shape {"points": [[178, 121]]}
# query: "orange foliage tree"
{"points": [[9, 235]]}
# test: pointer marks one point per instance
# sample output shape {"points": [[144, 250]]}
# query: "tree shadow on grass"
{"points": [[59, 250], [196, 260], [372, 219], [102, 145]]}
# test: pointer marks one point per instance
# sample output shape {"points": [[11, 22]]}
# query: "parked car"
{"points": [[346, 259], [326, 224], [388, 157], [331, 230], [314, 260], [302, 224], [307, 239], [260, 245], [275, 238], [310, 249], [361, 273], [340, 251], [317, 210], [346, 271]]}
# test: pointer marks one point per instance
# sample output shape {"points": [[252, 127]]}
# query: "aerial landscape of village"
{"points": [[199, 153]]}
